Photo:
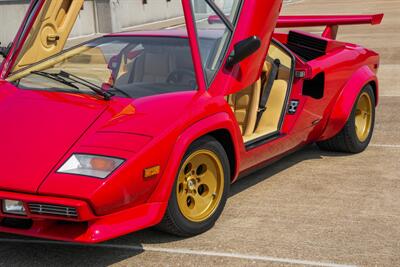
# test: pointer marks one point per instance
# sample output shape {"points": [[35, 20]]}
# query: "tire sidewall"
{"points": [[185, 225], [358, 145]]}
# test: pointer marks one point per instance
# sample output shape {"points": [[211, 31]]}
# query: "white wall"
{"points": [[86, 22], [123, 14], [129, 13], [13, 12], [11, 15]]}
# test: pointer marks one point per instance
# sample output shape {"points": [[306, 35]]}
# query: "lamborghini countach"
{"points": [[150, 128]]}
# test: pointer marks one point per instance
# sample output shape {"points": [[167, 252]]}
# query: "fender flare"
{"points": [[344, 105], [215, 122]]}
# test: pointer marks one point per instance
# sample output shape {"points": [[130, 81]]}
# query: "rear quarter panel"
{"points": [[347, 70]]}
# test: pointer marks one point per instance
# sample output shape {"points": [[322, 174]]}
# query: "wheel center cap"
{"points": [[192, 184]]}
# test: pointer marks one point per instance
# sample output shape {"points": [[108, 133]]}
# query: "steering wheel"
{"points": [[176, 76]]}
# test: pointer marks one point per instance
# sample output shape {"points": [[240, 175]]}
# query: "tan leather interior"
{"points": [[48, 63], [50, 31], [94, 57], [245, 103], [277, 52], [151, 67], [70, 62], [154, 65], [269, 122]]}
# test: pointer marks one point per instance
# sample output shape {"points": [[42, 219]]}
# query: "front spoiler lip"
{"points": [[88, 228]]}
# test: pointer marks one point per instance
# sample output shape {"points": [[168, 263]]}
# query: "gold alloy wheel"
{"points": [[200, 185], [363, 119]]}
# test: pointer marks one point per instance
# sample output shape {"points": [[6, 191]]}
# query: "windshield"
{"points": [[127, 64], [139, 66]]}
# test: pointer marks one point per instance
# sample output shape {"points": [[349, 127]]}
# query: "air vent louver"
{"points": [[56, 210], [307, 47]]}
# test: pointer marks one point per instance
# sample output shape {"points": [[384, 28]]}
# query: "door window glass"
{"points": [[215, 21], [229, 7]]}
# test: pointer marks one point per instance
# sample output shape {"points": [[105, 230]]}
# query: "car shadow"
{"points": [[131, 245], [311, 152], [25, 253]]}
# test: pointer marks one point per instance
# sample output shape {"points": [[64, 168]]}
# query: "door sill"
{"points": [[262, 140]]}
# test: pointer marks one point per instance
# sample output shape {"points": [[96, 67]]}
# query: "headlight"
{"points": [[13, 207], [90, 165]]}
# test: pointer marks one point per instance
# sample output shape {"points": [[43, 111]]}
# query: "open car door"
{"points": [[43, 33]]}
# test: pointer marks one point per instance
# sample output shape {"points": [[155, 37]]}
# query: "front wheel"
{"points": [[201, 189], [357, 133]]}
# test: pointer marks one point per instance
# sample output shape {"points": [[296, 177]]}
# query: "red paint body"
{"points": [[40, 130]]}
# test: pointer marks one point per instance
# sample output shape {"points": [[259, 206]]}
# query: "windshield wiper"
{"points": [[54, 77], [63, 75], [113, 88], [95, 88], [106, 93]]}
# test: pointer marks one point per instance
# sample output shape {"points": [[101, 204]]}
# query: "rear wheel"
{"points": [[357, 133], [201, 189]]}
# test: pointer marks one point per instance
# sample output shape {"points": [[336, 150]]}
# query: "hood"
{"points": [[37, 129]]}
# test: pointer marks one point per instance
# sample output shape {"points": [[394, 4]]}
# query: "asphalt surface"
{"points": [[311, 208]]}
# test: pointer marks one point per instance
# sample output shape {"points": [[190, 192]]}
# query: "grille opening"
{"points": [[16, 223], [54, 210]]}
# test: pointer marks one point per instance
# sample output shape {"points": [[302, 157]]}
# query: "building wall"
{"points": [[98, 16], [86, 22], [129, 13], [11, 15]]}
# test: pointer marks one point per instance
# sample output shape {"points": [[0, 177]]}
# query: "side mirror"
{"points": [[243, 50]]}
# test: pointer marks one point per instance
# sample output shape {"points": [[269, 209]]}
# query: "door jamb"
{"points": [[251, 144]]}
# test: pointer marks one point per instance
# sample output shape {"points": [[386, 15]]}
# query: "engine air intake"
{"points": [[306, 46]]}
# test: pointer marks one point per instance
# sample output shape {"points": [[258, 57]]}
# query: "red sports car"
{"points": [[140, 129]]}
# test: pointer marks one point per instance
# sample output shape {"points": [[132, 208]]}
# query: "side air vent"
{"points": [[56, 210], [306, 46]]}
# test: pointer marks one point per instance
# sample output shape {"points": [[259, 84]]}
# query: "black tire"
{"points": [[174, 222], [347, 140]]}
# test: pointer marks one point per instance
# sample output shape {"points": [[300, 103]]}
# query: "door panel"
{"points": [[43, 33], [257, 18]]}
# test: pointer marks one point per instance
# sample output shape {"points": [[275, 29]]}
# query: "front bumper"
{"points": [[86, 227]]}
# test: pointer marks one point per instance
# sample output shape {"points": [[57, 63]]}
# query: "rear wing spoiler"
{"points": [[331, 22]]}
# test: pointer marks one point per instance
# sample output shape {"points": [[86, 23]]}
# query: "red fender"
{"points": [[203, 127], [345, 102]]}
